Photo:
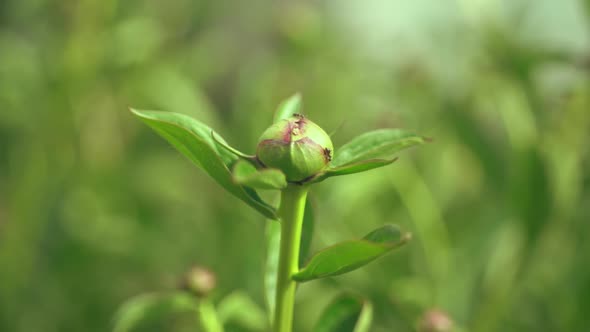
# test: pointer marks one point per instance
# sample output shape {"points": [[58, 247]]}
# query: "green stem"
{"points": [[291, 217], [208, 317]]}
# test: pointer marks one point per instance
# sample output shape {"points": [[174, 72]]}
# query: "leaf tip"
{"points": [[136, 112], [132, 110]]}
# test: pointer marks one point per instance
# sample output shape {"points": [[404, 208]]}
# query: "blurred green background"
{"points": [[95, 208]]}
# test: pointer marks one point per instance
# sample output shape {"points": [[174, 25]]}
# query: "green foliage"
{"points": [[347, 313], [246, 174], [187, 135], [221, 142], [271, 265], [353, 168], [375, 146], [239, 309], [307, 231], [148, 307], [351, 255], [95, 208], [194, 140], [369, 151]]}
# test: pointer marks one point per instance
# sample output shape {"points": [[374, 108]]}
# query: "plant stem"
{"points": [[291, 217], [208, 317]]}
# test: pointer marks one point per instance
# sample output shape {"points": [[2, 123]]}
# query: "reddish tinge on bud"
{"points": [[296, 146]]}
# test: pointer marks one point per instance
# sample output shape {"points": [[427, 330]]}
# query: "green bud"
{"points": [[296, 146]]}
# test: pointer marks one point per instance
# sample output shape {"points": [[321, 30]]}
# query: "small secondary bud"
{"points": [[435, 320], [199, 281], [296, 146]]}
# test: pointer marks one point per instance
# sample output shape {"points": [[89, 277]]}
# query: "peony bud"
{"points": [[435, 320], [199, 281], [296, 146]]}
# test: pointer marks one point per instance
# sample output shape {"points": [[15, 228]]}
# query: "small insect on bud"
{"points": [[199, 281], [296, 146], [435, 321]]}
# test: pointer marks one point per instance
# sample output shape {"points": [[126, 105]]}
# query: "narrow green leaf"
{"points": [[273, 245], [378, 144], [221, 142], [246, 174], [288, 107], [347, 313], [149, 307], [358, 167], [238, 308], [306, 232], [351, 255], [194, 140]]}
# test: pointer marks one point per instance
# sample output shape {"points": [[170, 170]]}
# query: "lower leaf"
{"points": [[351, 255], [151, 307], [240, 309], [347, 313]]}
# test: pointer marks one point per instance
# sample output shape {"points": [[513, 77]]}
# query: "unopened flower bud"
{"points": [[296, 146], [435, 321], [199, 281]]}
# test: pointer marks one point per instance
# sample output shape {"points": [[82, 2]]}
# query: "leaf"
{"points": [[359, 167], [240, 309], [273, 237], [288, 107], [152, 306], [271, 267], [306, 232], [194, 140], [222, 143], [354, 168], [347, 313], [246, 174], [379, 144], [208, 317], [351, 255]]}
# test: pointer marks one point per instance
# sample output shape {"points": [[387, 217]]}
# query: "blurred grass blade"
{"points": [[194, 140], [288, 107], [351, 255], [246, 174], [346, 314], [148, 307], [273, 237], [273, 244], [239, 309], [306, 232], [378, 144]]}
